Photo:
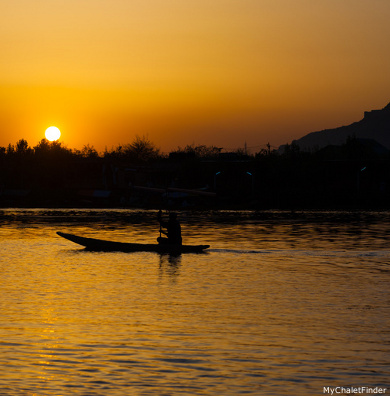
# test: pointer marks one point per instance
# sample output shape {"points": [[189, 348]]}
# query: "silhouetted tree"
{"points": [[291, 150], [10, 149], [140, 150], [200, 151], [89, 152], [50, 149], [22, 147]]}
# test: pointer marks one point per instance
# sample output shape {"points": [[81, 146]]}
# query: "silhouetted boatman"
{"points": [[173, 231]]}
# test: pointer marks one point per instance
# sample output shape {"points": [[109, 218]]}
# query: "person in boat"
{"points": [[173, 230]]}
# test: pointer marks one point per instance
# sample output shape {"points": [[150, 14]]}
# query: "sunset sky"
{"points": [[214, 72]]}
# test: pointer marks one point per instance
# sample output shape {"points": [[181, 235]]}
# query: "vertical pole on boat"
{"points": [[168, 209], [159, 219]]}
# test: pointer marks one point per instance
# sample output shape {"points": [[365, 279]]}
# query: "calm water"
{"points": [[283, 304]]}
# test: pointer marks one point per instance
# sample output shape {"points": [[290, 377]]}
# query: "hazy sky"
{"points": [[215, 72]]}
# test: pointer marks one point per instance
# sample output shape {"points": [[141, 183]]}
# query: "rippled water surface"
{"points": [[282, 304]]}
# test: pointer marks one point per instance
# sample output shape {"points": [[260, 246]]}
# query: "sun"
{"points": [[52, 133]]}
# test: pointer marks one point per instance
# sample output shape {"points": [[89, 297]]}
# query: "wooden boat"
{"points": [[111, 246]]}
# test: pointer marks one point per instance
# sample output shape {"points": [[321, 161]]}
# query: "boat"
{"points": [[112, 246]]}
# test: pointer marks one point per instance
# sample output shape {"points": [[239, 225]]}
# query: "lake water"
{"points": [[282, 304]]}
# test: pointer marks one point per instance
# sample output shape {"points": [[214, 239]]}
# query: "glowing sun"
{"points": [[52, 133]]}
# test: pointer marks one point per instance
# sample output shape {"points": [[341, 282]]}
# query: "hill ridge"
{"points": [[374, 125]]}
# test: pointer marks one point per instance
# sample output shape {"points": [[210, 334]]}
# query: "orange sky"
{"points": [[220, 72]]}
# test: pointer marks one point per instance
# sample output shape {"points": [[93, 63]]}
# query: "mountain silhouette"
{"points": [[374, 126]]}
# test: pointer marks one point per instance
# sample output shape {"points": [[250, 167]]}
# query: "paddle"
{"points": [[159, 215]]}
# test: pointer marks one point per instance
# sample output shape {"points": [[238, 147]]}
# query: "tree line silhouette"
{"points": [[356, 174]]}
